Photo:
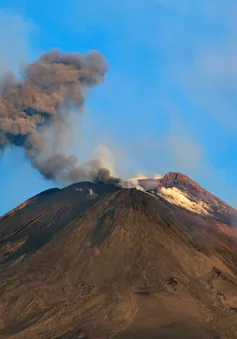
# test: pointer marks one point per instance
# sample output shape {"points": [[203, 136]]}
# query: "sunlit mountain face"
{"points": [[101, 261]]}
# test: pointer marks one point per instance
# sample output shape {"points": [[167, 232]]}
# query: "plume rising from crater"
{"points": [[35, 112]]}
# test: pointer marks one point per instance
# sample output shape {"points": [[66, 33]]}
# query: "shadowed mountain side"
{"points": [[130, 266], [34, 222]]}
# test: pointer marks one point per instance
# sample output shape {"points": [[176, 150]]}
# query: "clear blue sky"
{"points": [[169, 100]]}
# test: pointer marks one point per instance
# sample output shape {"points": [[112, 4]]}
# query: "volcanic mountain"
{"points": [[98, 261]]}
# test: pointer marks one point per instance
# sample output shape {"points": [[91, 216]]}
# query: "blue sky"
{"points": [[169, 99]]}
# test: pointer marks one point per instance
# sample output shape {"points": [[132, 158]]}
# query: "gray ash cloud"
{"points": [[40, 101]]}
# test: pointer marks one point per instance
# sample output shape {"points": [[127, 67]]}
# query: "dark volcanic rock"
{"points": [[92, 261], [37, 220]]}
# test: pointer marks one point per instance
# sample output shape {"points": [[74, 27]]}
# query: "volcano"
{"points": [[96, 261]]}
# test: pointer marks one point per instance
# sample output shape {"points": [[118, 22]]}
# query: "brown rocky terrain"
{"points": [[94, 261], [217, 208]]}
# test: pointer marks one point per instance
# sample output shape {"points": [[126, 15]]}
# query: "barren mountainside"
{"points": [[95, 261], [213, 205]]}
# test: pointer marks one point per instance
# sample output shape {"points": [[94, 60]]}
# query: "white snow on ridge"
{"points": [[175, 196]]}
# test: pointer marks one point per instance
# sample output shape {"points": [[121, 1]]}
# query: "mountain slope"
{"points": [[33, 223], [185, 192], [117, 263]]}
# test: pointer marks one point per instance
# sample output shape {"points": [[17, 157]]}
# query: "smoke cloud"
{"points": [[142, 182], [34, 113]]}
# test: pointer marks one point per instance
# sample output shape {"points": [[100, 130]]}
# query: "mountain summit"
{"points": [[98, 261], [182, 191]]}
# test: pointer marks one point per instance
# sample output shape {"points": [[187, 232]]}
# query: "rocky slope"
{"points": [[181, 190], [95, 261]]}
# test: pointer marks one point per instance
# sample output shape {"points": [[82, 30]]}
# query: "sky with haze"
{"points": [[168, 102]]}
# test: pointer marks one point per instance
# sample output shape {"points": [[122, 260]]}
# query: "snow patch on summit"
{"points": [[177, 197]]}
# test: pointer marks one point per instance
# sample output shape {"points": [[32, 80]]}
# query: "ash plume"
{"points": [[34, 112]]}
